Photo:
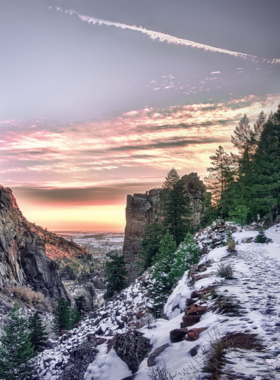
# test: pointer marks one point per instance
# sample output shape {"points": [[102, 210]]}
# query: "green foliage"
{"points": [[170, 265], [75, 316], [81, 305], [115, 274], [38, 334], [150, 244], [175, 207], [261, 238], [240, 215], [222, 173], [62, 320], [16, 349]]}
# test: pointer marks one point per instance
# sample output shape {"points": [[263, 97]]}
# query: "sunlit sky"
{"points": [[101, 98]]}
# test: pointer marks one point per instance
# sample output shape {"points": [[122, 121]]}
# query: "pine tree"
{"points": [[62, 320], [175, 207], [82, 306], [16, 349], [163, 262], [115, 274], [38, 334], [150, 244], [239, 215], [221, 175], [263, 182], [75, 316]]}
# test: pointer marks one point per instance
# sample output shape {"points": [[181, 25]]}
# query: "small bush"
{"points": [[261, 238], [160, 372], [215, 358], [225, 271], [31, 298], [230, 245]]}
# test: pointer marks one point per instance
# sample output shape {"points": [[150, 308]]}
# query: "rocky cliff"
{"points": [[143, 209], [23, 251]]}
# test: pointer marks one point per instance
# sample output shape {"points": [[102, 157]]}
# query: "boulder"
{"points": [[151, 359], [193, 334], [79, 360], [177, 335], [132, 348]]}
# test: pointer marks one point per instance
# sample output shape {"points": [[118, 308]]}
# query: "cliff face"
{"points": [[23, 259], [143, 209]]}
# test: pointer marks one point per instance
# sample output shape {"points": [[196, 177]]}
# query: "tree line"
{"points": [[246, 186]]}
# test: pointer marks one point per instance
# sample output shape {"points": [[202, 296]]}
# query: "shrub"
{"points": [[225, 271], [160, 373], [261, 238], [230, 245], [31, 298]]}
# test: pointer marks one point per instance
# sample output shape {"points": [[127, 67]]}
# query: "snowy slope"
{"points": [[255, 288]]}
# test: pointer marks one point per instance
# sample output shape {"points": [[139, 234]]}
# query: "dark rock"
{"points": [[144, 209], [177, 335], [79, 360], [190, 301], [132, 348], [189, 320], [151, 359], [194, 350], [193, 334], [195, 294], [23, 252]]}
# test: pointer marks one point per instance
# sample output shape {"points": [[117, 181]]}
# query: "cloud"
{"points": [[87, 196], [216, 72], [162, 37]]}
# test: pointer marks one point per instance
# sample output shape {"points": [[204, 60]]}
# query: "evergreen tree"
{"points": [[170, 266], [115, 274], [82, 306], [150, 244], [163, 262], [16, 349], [38, 334], [75, 316], [263, 183], [222, 173], [175, 206], [62, 320], [261, 238], [239, 215]]}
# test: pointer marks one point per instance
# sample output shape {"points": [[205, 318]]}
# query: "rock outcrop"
{"points": [[23, 258], [143, 209]]}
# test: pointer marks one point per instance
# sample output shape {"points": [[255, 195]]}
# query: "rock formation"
{"points": [[23, 258], [143, 209]]}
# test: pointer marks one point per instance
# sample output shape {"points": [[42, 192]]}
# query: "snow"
{"points": [[255, 287], [107, 366]]}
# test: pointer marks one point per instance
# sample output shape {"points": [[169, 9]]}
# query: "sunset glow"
{"points": [[107, 108]]}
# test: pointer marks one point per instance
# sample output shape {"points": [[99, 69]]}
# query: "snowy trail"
{"points": [[256, 288]]}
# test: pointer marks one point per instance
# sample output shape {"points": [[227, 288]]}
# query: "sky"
{"points": [[101, 98]]}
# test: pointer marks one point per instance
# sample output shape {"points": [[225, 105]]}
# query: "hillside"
{"points": [[29, 253], [242, 311]]}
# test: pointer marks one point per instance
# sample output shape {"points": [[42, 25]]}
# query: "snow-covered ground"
{"points": [[104, 241], [255, 288]]}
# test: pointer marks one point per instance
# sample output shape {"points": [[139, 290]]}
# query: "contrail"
{"points": [[163, 37]]}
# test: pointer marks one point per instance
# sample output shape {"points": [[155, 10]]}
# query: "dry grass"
{"points": [[230, 245], [160, 372], [225, 271], [31, 298]]}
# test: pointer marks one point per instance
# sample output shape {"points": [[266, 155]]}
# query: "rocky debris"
{"points": [[193, 334], [177, 335], [214, 236], [132, 348], [151, 361], [144, 209], [79, 360], [193, 314], [23, 253]]}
